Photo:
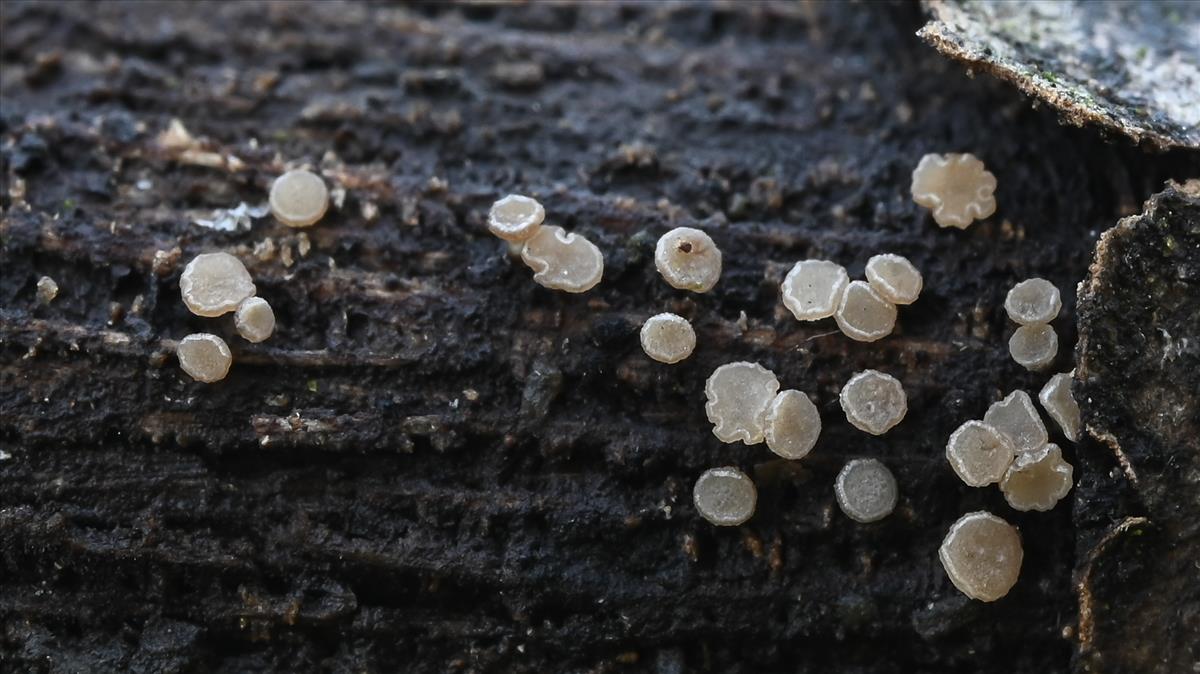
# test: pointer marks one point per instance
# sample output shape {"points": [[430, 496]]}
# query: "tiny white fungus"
{"points": [[563, 260], [254, 319], [863, 314], [874, 402], [1018, 420], [738, 397], [1057, 400], [982, 556], [979, 454], [206, 358], [955, 187], [813, 289], [725, 496], [515, 217], [792, 425], [1037, 480], [1034, 347], [866, 490], [894, 277], [299, 198], [213, 284], [688, 259], [47, 290], [668, 338], [1033, 301]]}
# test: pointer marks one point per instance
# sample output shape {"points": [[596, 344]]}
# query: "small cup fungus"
{"points": [[563, 260], [895, 278], [874, 402], [213, 284], [1034, 346], [792, 425], [1018, 420], [813, 289], [956, 187], [979, 454], [1037, 480], [688, 259], [866, 490], [982, 556], [725, 496], [206, 358], [1033, 301], [668, 338], [254, 319], [299, 198], [515, 217], [1057, 400], [738, 396], [863, 314]]}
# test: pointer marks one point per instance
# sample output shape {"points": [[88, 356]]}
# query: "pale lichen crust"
{"points": [[562, 260], [813, 289], [793, 425], [955, 187], [725, 496], [738, 397], [299, 198], [982, 556], [668, 338], [874, 402], [213, 284], [866, 490], [688, 259], [515, 217]]}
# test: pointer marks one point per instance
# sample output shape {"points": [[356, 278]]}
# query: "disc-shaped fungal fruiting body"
{"points": [[813, 289], [688, 259], [1018, 420], [955, 187], [1034, 347], [562, 260], [982, 556], [206, 358], [515, 217], [866, 490], [863, 314], [215, 283], [1033, 301], [668, 338], [254, 319], [792, 425], [725, 496], [1037, 480], [299, 198], [1057, 400], [738, 396], [894, 277], [979, 454], [873, 401]]}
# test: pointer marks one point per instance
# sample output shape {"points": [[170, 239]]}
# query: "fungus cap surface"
{"points": [[213, 284], [299, 198], [668, 338], [866, 490], [955, 187], [1059, 403], [515, 217], [738, 397], [1033, 347], [204, 357], [979, 454], [1033, 301], [793, 425], [1018, 420], [813, 289], [688, 259], [863, 314], [874, 402], [254, 319], [895, 278], [1037, 480], [725, 497], [563, 260], [982, 556]]}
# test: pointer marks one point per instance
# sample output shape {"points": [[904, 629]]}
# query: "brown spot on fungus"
{"points": [[813, 289], [1034, 347], [254, 319], [562, 260], [688, 259], [725, 496], [874, 402], [213, 284], [299, 198], [1018, 420], [863, 314], [1037, 480], [894, 277], [866, 490], [1033, 301], [979, 454], [982, 556], [738, 396], [668, 338], [955, 187], [515, 217], [206, 358], [792, 425], [1059, 403]]}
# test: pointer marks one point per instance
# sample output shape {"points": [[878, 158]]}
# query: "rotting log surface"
{"points": [[436, 464]]}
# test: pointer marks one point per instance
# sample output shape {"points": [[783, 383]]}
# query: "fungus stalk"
{"points": [[955, 187], [982, 556], [299, 198], [725, 497], [688, 259], [213, 284], [668, 338], [738, 397], [866, 490]]}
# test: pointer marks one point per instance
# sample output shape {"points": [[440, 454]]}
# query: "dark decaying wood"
{"points": [[435, 464]]}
